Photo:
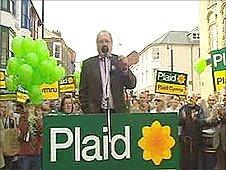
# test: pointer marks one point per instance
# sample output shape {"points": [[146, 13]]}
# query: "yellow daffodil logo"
{"points": [[181, 78], [70, 80], [156, 143]]}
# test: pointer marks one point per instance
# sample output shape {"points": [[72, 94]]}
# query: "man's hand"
{"points": [[126, 62], [123, 63]]}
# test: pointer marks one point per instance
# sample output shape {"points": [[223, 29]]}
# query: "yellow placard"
{"points": [[170, 88], [220, 80], [2, 80], [67, 88], [67, 84], [8, 97], [22, 97], [50, 91], [2, 75], [2, 85]]}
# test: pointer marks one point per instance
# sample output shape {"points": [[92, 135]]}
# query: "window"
{"points": [[213, 37], [195, 36], [9, 6], [5, 47], [12, 8], [155, 53], [142, 78], [57, 50], [213, 43], [224, 32], [147, 77], [11, 35], [154, 72], [5, 5], [25, 16]]}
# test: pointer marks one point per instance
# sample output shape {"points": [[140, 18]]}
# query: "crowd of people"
{"points": [[21, 128], [202, 127]]}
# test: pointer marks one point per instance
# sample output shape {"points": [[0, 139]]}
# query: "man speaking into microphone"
{"points": [[103, 79]]}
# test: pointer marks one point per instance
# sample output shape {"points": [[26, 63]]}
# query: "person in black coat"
{"points": [[103, 79], [190, 118]]}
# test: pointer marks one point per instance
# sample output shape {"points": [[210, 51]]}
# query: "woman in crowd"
{"points": [[76, 107], [66, 105]]}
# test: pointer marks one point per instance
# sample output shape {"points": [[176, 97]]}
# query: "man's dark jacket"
{"points": [[90, 89]]}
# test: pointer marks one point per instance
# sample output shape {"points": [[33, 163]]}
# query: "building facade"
{"points": [[212, 36], [174, 51], [59, 49], [17, 17]]}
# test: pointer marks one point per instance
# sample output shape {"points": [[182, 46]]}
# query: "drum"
{"points": [[210, 145], [210, 140]]}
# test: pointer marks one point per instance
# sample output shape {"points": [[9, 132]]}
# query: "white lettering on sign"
{"points": [[217, 58], [167, 77], [96, 146], [126, 140], [54, 146]]}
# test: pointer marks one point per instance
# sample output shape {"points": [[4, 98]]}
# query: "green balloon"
{"points": [[34, 90], [11, 83], [36, 95], [38, 79], [62, 71], [77, 78], [28, 45], [56, 74], [37, 100], [45, 67], [13, 64], [17, 45], [41, 50], [25, 74], [200, 65], [53, 61], [43, 54], [31, 59], [40, 44], [49, 80]]}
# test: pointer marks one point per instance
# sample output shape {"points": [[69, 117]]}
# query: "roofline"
{"points": [[156, 44], [35, 10]]}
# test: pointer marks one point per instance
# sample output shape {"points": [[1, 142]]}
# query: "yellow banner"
{"points": [[50, 91], [170, 88], [67, 88], [8, 97], [67, 84], [220, 80], [2, 80], [2, 85], [22, 97]]}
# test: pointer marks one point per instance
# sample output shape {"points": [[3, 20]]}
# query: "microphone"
{"points": [[105, 50]]}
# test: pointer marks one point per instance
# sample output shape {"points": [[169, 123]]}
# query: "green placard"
{"points": [[171, 82], [81, 142], [219, 59], [219, 68]]}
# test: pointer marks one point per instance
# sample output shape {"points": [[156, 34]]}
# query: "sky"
{"points": [[133, 24]]}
